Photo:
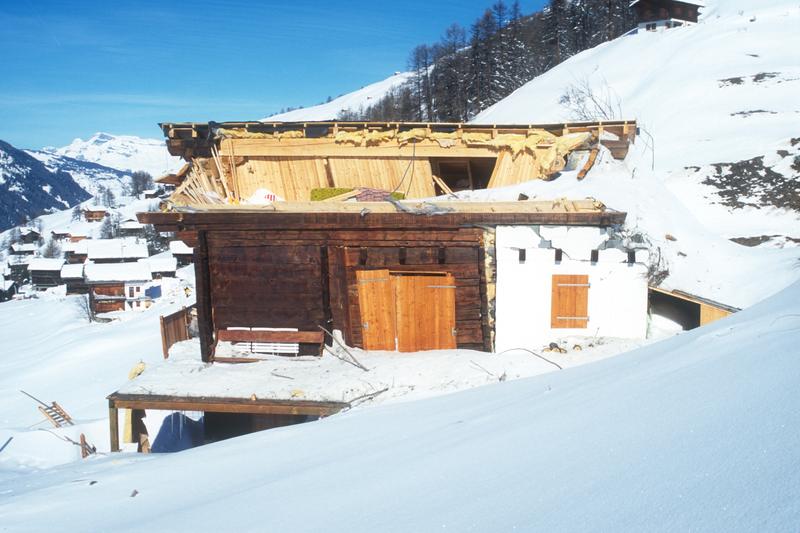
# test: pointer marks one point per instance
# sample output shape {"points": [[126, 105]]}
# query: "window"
{"points": [[570, 302], [130, 292], [651, 27]]}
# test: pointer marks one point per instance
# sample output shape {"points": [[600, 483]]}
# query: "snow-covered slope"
{"points": [[354, 101], [28, 188], [697, 433], [721, 91], [90, 176], [123, 152], [718, 157]]}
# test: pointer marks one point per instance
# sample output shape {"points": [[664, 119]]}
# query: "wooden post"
{"points": [[113, 426], [203, 288], [164, 347]]}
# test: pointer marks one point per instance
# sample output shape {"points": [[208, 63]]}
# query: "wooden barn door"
{"points": [[426, 312], [570, 302], [407, 312], [376, 300]]}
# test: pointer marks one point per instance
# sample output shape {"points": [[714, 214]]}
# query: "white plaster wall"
{"points": [[617, 293]]}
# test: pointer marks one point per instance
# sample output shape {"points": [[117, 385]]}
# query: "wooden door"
{"points": [[376, 301], [570, 302], [425, 307]]}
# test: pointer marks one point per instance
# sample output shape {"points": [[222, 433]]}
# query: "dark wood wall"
{"points": [[654, 10], [305, 279]]}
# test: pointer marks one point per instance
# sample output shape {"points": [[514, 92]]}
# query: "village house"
{"points": [[17, 268], [77, 237], [149, 194], [8, 288], [117, 286], [121, 250], [655, 15], [182, 252], [72, 277], [45, 272], [94, 213], [161, 265], [297, 232], [29, 236], [131, 228], [76, 252], [24, 249], [60, 235]]}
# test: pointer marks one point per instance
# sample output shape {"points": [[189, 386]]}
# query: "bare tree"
{"points": [[51, 249], [588, 103], [84, 305], [140, 182]]}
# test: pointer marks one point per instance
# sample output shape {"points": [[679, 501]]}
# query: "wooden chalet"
{"points": [[117, 287], [29, 236], [17, 268], [61, 235], [94, 213], [182, 252], [163, 265], [72, 277], [278, 260], [24, 249], [131, 228], [45, 272], [76, 252], [653, 15], [8, 288]]}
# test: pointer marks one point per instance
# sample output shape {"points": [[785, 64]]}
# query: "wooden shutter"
{"points": [[376, 301], [570, 302], [426, 312]]}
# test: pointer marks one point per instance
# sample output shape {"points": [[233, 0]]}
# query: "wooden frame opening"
{"points": [[570, 302]]}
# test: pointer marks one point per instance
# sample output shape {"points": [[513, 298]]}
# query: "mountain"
{"points": [[29, 189], [350, 102], [123, 152], [90, 176]]}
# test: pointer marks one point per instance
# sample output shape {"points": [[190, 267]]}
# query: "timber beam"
{"points": [[224, 405]]}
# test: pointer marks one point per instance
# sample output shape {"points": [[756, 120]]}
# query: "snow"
{"points": [[74, 271], [45, 264], [105, 272], [123, 248], [180, 247], [672, 83], [163, 262], [123, 152], [698, 432], [360, 99]]}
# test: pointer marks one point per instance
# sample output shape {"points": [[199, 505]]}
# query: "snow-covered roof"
{"points": [[164, 262], [73, 271], [180, 247], [45, 264], [18, 259], [60, 231], [130, 224], [95, 208], [80, 247], [6, 284], [28, 247], [28, 231], [150, 191], [105, 272], [117, 249]]}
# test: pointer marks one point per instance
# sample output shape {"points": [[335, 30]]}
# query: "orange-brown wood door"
{"points": [[425, 307], [570, 302], [376, 301]]}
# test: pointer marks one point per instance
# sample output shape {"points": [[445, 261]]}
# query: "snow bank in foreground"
{"points": [[698, 432]]}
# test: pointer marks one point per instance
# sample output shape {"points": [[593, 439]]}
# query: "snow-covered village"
{"points": [[539, 274]]}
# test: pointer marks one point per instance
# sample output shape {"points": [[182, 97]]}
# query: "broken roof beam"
{"points": [[224, 405]]}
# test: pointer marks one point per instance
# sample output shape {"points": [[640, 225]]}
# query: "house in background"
{"points": [[655, 15], [94, 213], [163, 265], [29, 236], [45, 272], [131, 228], [117, 286], [122, 250], [182, 252], [8, 288], [24, 249], [17, 268], [72, 277], [76, 252], [77, 237], [149, 194], [60, 235]]}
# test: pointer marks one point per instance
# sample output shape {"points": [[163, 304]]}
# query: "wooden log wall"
{"points": [[175, 328], [304, 279]]}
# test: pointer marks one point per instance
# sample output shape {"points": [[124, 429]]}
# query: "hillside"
{"points": [[122, 152], [28, 188], [352, 102], [90, 176], [695, 433]]}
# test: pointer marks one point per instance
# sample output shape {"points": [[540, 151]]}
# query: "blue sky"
{"points": [[72, 68]]}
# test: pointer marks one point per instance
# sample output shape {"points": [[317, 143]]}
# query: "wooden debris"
{"points": [[54, 412]]}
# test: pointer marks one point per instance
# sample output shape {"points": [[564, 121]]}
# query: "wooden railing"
{"points": [[175, 328]]}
